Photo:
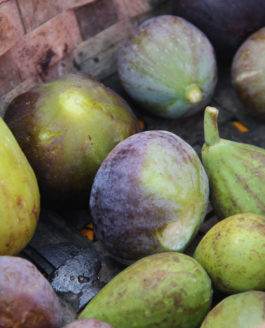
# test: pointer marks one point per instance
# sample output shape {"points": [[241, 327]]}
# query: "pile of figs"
{"points": [[73, 142]]}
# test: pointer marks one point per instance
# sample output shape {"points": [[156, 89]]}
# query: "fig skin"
{"points": [[88, 323], [149, 195], [162, 290], [168, 66], [248, 73], [236, 172], [233, 253], [27, 299], [19, 195], [226, 23], [243, 310], [66, 128]]}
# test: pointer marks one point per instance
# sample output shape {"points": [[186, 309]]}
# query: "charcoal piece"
{"points": [[77, 280]]}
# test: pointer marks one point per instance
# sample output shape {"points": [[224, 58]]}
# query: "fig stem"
{"points": [[193, 94], [211, 133]]}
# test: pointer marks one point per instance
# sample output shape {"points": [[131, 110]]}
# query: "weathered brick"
{"points": [[96, 17], [47, 45], [9, 73], [11, 28]]}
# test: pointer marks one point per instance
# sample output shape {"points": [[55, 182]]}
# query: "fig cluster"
{"points": [[75, 142]]}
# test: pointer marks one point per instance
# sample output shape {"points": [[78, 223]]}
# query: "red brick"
{"points": [[37, 12], [9, 73], [96, 17], [11, 28], [47, 45]]}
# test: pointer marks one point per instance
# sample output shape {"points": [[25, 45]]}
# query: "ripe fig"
{"points": [[66, 128], [236, 172], [163, 290], [19, 195], [226, 23], [149, 195], [168, 66], [88, 323], [243, 310], [248, 73], [233, 253], [27, 299]]}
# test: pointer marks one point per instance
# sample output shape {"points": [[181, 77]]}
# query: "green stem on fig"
{"points": [[211, 133], [193, 94]]}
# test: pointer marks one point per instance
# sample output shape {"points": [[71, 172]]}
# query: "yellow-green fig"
{"points": [[236, 172], [233, 253], [243, 310], [164, 290], [19, 195]]}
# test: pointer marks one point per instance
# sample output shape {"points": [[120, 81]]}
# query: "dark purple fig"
{"points": [[168, 66], [66, 128], [248, 73], [227, 23], [27, 299], [149, 195], [88, 323]]}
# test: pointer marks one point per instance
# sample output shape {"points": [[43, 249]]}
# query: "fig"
{"points": [[168, 66], [19, 195], [243, 310], [166, 290], [66, 127], [226, 23], [236, 172], [27, 299], [149, 195], [233, 253], [88, 323], [248, 71]]}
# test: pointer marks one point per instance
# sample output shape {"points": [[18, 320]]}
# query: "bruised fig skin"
{"points": [[19, 195], [149, 195], [227, 23], [162, 290], [233, 253], [243, 310], [88, 323], [27, 299], [168, 66], [66, 128], [236, 172], [248, 73]]}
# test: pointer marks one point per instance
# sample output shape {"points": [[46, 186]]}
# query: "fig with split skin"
{"points": [[66, 128], [243, 310], [227, 23], [233, 253], [236, 172], [19, 195], [27, 300], [163, 290], [168, 66], [248, 73], [149, 195]]}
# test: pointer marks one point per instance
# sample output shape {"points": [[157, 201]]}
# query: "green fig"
{"points": [[166, 290], [66, 128], [236, 172], [233, 253], [19, 195], [168, 66], [243, 310]]}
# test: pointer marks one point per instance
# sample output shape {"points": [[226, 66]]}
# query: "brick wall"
{"points": [[43, 39]]}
